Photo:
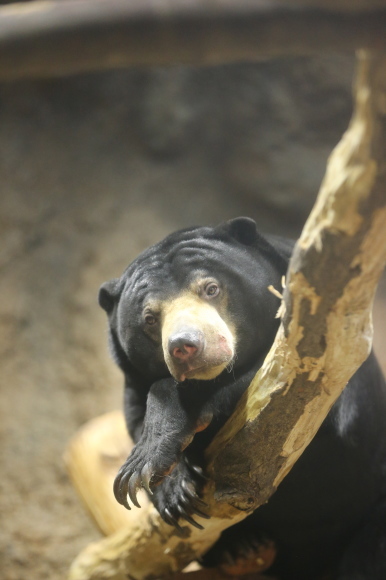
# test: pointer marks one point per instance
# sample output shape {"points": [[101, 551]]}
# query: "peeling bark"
{"points": [[325, 335]]}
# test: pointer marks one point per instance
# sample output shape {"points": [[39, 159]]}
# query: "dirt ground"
{"points": [[75, 209]]}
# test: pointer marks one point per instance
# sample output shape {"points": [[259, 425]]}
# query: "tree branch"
{"points": [[324, 337], [40, 39]]}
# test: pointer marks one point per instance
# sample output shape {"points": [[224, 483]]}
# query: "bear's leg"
{"points": [[365, 558], [169, 426], [241, 550]]}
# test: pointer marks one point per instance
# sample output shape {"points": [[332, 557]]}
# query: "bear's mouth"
{"points": [[205, 367], [201, 373]]}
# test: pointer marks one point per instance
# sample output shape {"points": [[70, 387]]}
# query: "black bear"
{"points": [[190, 322]]}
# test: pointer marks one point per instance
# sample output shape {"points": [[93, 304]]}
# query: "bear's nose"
{"points": [[185, 345]]}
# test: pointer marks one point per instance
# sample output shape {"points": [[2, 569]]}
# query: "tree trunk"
{"points": [[325, 335]]}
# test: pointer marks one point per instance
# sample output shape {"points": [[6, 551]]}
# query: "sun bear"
{"points": [[190, 322]]}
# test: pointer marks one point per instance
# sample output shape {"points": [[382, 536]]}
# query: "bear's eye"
{"points": [[150, 319], [212, 289]]}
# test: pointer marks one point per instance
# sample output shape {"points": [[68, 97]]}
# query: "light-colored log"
{"points": [[93, 458], [51, 38], [325, 336]]}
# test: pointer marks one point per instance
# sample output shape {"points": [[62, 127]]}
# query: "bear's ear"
{"points": [[242, 229], [108, 294]]}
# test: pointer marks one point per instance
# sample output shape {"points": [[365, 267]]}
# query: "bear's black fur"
{"points": [[191, 320]]}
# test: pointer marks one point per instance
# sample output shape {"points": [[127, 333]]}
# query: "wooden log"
{"points": [[40, 39], [324, 337], [93, 458]]}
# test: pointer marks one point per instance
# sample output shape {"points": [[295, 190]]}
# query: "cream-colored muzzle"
{"points": [[191, 322]]}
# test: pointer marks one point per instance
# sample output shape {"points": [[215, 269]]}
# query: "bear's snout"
{"points": [[197, 343], [186, 344]]}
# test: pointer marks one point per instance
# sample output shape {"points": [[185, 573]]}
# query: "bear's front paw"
{"points": [[177, 497], [143, 468]]}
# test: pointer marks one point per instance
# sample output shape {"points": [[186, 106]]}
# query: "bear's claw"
{"points": [[183, 508], [133, 487], [135, 473], [183, 514], [175, 497], [127, 483]]}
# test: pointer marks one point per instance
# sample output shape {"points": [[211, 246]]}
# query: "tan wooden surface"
{"points": [[93, 458]]}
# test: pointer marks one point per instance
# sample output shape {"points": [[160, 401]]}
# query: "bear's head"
{"points": [[196, 303]]}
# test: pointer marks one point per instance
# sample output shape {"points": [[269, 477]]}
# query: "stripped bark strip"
{"points": [[325, 336]]}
